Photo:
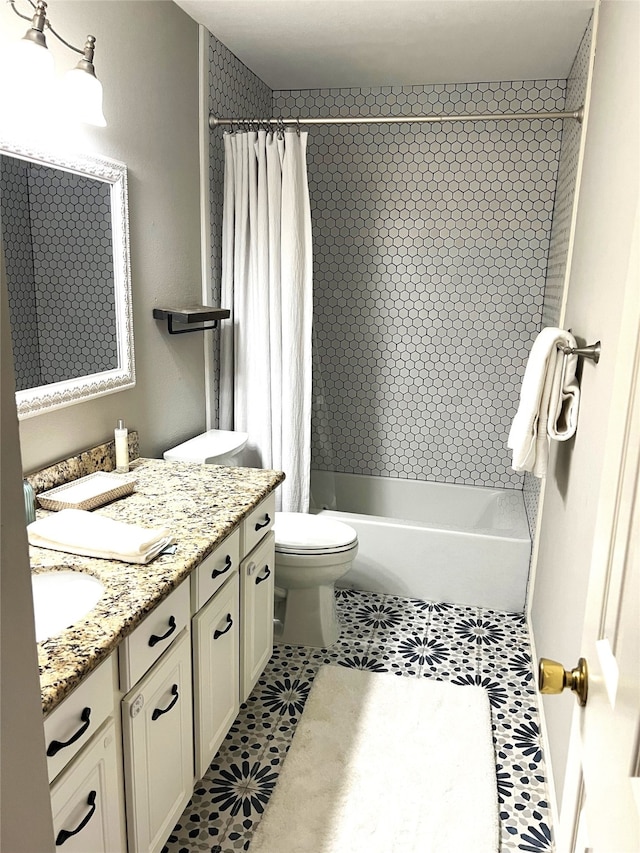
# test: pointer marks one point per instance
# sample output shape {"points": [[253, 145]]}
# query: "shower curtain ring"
{"points": [[298, 127]]}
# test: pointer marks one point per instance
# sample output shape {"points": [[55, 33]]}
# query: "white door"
{"points": [[601, 801]]}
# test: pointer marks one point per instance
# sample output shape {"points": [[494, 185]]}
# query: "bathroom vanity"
{"points": [[139, 694]]}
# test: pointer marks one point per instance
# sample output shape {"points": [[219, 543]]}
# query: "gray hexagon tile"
{"points": [[59, 261], [430, 259], [234, 91], [431, 249]]}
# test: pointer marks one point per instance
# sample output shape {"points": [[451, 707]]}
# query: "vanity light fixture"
{"points": [[80, 90]]}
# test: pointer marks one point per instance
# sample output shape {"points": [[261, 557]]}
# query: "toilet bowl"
{"points": [[214, 447], [312, 553]]}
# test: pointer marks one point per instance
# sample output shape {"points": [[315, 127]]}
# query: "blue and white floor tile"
{"points": [[382, 633]]}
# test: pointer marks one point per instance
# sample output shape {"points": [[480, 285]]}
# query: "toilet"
{"points": [[312, 552], [214, 447]]}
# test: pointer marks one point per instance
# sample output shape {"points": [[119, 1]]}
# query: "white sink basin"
{"points": [[61, 598]]}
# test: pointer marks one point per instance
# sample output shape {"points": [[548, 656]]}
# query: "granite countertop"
{"points": [[200, 504]]}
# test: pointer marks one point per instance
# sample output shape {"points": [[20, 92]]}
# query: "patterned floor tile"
{"points": [[286, 697], [285, 660], [344, 649], [410, 637]]}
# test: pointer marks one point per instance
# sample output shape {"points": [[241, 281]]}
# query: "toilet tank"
{"points": [[216, 447]]}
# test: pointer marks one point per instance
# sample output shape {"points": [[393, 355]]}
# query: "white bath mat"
{"points": [[386, 764]]}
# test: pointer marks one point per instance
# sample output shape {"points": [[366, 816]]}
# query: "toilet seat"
{"points": [[300, 533]]}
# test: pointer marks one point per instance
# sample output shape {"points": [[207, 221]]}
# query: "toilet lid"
{"points": [[300, 533], [207, 446]]}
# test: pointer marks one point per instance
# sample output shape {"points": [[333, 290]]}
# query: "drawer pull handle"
{"points": [[153, 639], [55, 746], [228, 563], [65, 834], [264, 577], [218, 634], [158, 713], [265, 523]]}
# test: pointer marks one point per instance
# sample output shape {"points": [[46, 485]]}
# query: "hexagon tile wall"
{"points": [[236, 92], [59, 260], [430, 253], [561, 228]]}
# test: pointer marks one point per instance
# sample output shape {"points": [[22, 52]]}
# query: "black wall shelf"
{"points": [[192, 314]]}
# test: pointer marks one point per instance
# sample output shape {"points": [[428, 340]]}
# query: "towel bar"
{"points": [[592, 351]]}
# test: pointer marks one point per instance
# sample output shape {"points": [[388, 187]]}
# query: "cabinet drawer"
{"points": [[151, 638], [69, 726], [85, 800], [257, 524], [216, 649], [215, 570], [157, 732]]}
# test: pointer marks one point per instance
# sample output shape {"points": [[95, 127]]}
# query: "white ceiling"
{"points": [[309, 44]]}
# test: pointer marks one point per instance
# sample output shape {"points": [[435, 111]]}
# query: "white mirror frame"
{"points": [[46, 398]]}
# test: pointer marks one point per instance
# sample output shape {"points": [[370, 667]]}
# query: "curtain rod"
{"points": [[214, 121]]}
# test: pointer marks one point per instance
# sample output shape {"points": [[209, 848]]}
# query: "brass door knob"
{"points": [[553, 678]]}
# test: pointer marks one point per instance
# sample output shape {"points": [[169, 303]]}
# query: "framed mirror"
{"points": [[65, 233]]}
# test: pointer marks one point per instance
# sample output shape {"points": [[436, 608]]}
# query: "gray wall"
{"points": [[147, 60]]}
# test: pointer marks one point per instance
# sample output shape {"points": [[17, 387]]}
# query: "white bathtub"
{"points": [[460, 544]]}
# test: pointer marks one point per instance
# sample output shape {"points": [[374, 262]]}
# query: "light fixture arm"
{"points": [[12, 3], [80, 91], [40, 22]]}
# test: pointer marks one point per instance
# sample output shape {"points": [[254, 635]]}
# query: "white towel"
{"points": [[77, 531], [549, 401]]}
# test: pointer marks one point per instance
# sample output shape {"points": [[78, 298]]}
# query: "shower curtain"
{"points": [[265, 348]]}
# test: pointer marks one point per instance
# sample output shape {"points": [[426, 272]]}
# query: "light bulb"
{"points": [[82, 95], [27, 80], [32, 61]]}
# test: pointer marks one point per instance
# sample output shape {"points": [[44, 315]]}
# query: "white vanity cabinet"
{"points": [[232, 627], [124, 748], [215, 570], [257, 573], [84, 759], [216, 681], [85, 799], [157, 724], [72, 724]]}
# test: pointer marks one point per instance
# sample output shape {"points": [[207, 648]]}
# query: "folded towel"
{"points": [[77, 531], [549, 400]]}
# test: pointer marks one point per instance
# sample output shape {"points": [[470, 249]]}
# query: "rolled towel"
{"points": [[77, 531], [549, 400]]}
